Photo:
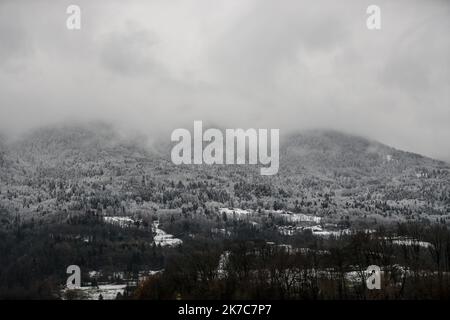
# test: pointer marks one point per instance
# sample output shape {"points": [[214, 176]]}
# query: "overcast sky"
{"points": [[291, 64]]}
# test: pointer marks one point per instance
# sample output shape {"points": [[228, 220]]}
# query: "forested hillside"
{"points": [[114, 205]]}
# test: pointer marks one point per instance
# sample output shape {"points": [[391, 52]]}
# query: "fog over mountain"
{"points": [[152, 66]]}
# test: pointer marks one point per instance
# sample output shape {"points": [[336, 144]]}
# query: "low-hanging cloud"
{"points": [[157, 65]]}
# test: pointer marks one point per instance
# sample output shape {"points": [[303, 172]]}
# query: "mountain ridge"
{"points": [[321, 172]]}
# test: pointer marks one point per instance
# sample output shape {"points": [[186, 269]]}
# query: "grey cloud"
{"points": [[157, 65], [129, 51], [14, 45]]}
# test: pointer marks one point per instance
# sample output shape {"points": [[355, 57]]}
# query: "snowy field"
{"points": [[234, 212], [123, 222], [105, 292], [163, 239]]}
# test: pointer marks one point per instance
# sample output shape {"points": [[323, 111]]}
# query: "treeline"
{"points": [[243, 268], [34, 256]]}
